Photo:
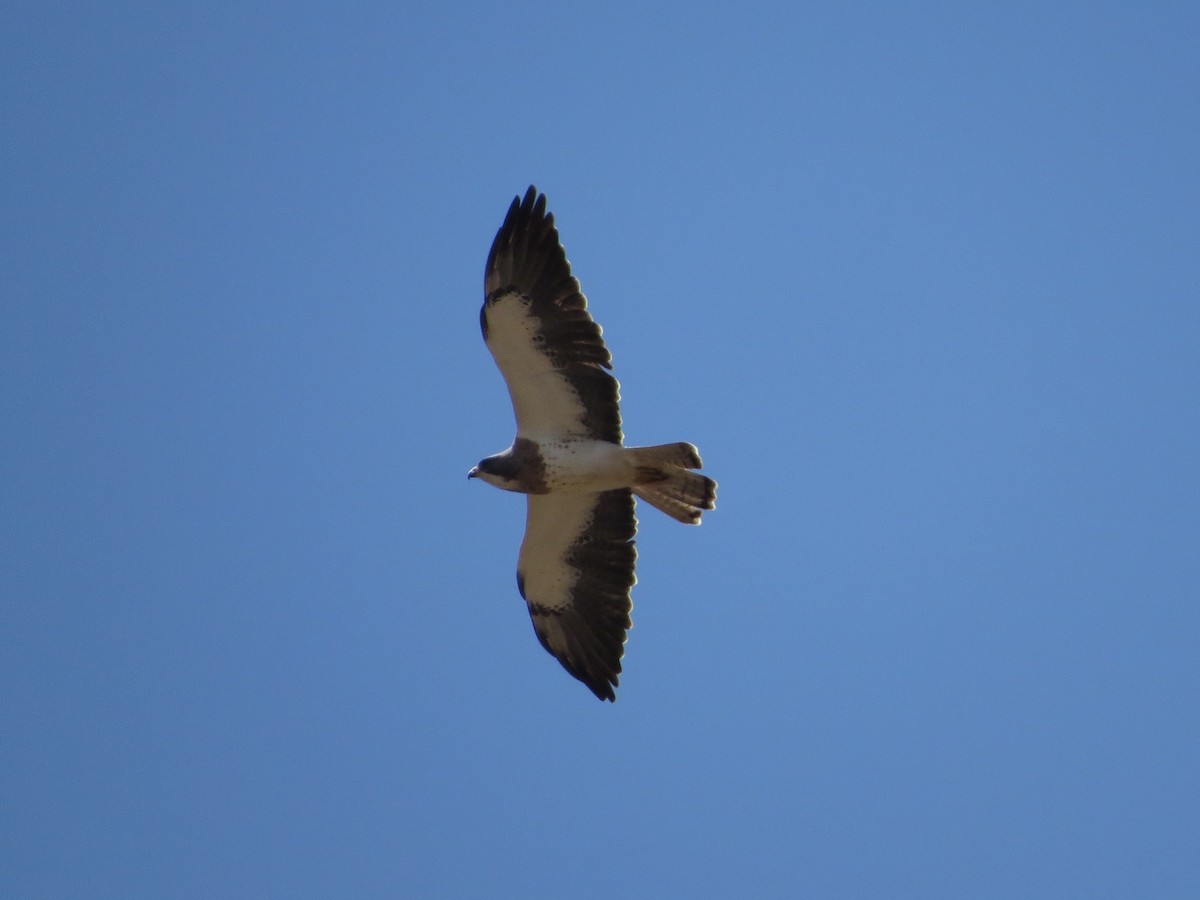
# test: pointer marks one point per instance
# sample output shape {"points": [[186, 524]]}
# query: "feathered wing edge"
{"points": [[527, 264], [576, 573]]}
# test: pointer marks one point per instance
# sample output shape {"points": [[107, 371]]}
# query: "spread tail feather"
{"points": [[666, 484]]}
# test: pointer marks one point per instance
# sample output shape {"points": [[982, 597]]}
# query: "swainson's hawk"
{"points": [[576, 567]]}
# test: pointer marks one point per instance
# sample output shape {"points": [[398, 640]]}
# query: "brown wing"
{"points": [[576, 572], [535, 322]]}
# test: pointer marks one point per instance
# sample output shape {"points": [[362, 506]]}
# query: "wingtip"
{"points": [[609, 694], [532, 198]]}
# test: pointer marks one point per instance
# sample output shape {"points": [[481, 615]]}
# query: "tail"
{"points": [[663, 481]]}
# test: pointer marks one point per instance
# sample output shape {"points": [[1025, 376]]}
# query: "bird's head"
{"points": [[499, 471]]}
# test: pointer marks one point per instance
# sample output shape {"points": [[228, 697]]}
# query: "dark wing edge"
{"points": [[587, 633], [527, 258]]}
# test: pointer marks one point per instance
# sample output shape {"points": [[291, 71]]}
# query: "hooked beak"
{"points": [[474, 472]]}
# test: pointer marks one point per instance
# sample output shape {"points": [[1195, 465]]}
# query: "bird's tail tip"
{"points": [[663, 481]]}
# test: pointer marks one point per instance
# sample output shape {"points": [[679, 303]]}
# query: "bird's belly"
{"points": [[586, 466]]}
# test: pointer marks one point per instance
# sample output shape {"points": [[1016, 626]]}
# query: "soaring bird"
{"points": [[576, 566]]}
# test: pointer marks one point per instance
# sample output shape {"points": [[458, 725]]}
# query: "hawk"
{"points": [[576, 566]]}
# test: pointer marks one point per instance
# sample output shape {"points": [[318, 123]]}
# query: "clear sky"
{"points": [[921, 280]]}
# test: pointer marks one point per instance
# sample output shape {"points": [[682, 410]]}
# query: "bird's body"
{"points": [[576, 566], [562, 465]]}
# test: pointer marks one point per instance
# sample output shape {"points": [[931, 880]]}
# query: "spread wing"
{"points": [[576, 571], [536, 324]]}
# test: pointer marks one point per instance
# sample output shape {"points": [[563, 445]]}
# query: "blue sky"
{"points": [[922, 281]]}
